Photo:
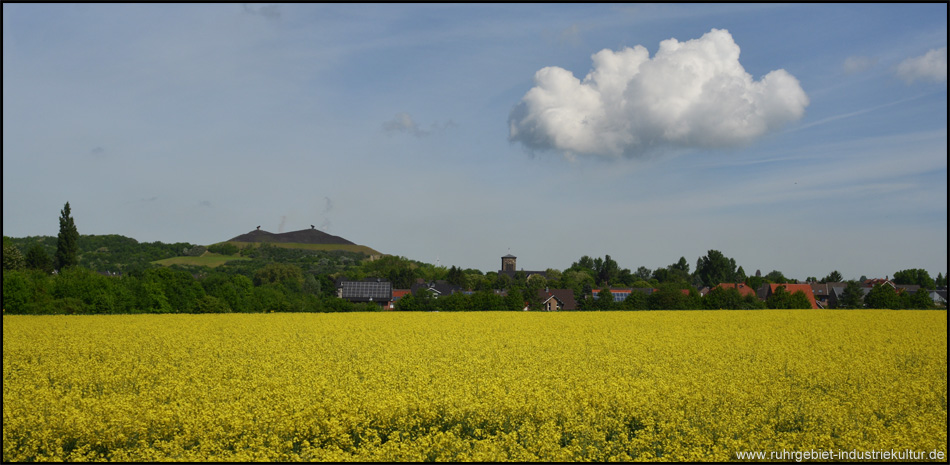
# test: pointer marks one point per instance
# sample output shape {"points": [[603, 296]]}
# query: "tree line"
{"points": [[294, 280]]}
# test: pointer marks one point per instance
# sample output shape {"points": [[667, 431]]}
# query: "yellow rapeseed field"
{"points": [[486, 386]]}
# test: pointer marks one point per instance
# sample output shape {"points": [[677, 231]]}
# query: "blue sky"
{"points": [[799, 138]]}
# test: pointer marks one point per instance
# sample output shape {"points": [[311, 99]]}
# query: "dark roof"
{"points": [[511, 274], [509, 256], [304, 236], [566, 296], [364, 291], [440, 287]]}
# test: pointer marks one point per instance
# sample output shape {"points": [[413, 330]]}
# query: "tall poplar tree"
{"points": [[67, 243]]}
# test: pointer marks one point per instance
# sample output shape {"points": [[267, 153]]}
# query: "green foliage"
{"points": [[37, 258], [17, 291], [671, 296], [635, 301], [919, 300], [776, 276], [916, 276], [605, 300], [833, 277], [223, 248], [852, 297], [67, 247], [781, 298], [210, 304], [715, 268], [882, 296], [514, 301], [289, 276], [722, 298], [12, 258]]}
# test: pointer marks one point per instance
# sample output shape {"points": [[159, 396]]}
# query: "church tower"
{"points": [[508, 263]]}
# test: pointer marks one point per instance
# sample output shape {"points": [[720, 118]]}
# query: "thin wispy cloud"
{"points": [[403, 123], [858, 64], [269, 11]]}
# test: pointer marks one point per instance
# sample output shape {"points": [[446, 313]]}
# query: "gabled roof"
{"points": [[792, 288], [439, 287], [565, 296], [743, 289], [365, 291]]}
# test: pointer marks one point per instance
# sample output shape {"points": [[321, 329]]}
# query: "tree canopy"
{"points": [[67, 247]]}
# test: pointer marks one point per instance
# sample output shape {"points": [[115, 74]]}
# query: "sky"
{"points": [[803, 138]]}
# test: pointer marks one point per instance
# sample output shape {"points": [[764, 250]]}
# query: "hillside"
{"points": [[304, 236], [306, 239]]}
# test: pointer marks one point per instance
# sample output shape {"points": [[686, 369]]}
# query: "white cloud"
{"points": [[931, 66], [690, 94]]}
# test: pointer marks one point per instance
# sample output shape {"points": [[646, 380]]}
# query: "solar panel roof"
{"points": [[365, 290]]}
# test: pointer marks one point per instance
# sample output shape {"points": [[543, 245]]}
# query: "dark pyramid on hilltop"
{"points": [[304, 236]]}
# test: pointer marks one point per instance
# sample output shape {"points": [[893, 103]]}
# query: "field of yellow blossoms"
{"points": [[486, 386]]}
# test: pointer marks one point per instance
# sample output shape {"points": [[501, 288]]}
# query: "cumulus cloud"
{"points": [[690, 94], [403, 122], [932, 66]]}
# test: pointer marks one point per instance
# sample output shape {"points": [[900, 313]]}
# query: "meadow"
{"points": [[479, 386]]}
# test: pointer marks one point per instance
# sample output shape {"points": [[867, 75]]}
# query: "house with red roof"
{"points": [[767, 290], [743, 288]]}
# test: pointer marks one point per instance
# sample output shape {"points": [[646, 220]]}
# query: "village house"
{"points": [[372, 290], [553, 300], [767, 290]]}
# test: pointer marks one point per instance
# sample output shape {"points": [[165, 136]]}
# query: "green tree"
{"points": [[671, 296], [916, 276], [456, 276], [514, 301], [715, 268], [852, 297], [833, 277], [882, 296], [776, 276], [67, 242], [608, 271], [287, 275], [740, 275], [781, 298], [635, 301], [723, 298], [12, 257], [605, 300], [37, 258], [643, 273], [919, 300]]}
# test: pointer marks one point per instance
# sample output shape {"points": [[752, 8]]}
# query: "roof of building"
{"points": [[743, 289], [565, 296], [511, 273], [792, 288], [439, 287], [365, 291]]}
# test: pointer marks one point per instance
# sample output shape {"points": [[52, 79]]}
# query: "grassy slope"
{"points": [[211, 260], [290, 245]]}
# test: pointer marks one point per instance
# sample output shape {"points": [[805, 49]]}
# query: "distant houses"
{"points": [[819, 295]]}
